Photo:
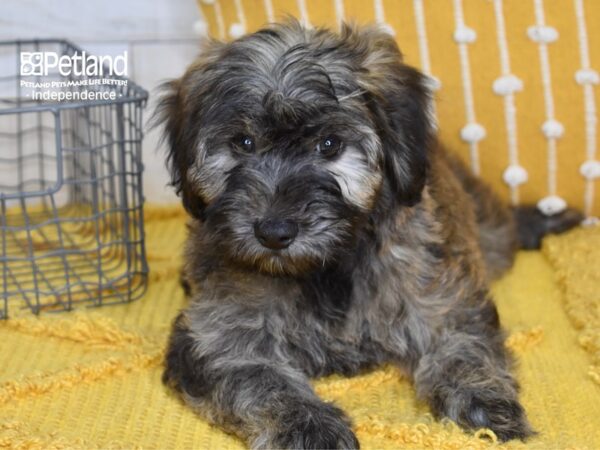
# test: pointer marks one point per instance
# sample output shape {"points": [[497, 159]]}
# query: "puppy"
{"points": [[332, 233]]}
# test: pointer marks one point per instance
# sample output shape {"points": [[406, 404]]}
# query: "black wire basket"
{"points": [[71, 217]]}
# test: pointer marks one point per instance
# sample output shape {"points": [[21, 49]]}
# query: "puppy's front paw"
{"points": [[504, 416], [314, 426]]}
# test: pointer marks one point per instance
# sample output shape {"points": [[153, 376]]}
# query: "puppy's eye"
{"points": [[244, 143], [329, 146]]}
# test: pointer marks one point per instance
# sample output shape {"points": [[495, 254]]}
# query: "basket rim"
{"points": [[140, 95]]}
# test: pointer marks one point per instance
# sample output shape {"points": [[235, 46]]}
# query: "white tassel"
{"points": [[472, 132], [551, 205], [590, 221], [237, 30], [553, 129], [514, 175], [465, 35], [590, 170], [587, 76], [507, 84], [542, 34]]}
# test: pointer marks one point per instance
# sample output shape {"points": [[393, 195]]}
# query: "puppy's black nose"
{"points": [[276, 234]]}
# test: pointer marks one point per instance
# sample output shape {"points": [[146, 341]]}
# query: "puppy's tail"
{"points": [[532, 225]]}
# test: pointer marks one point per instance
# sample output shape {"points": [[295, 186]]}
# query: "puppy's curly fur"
{"points": [[331, 233]]}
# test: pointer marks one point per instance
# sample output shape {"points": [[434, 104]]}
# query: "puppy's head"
{"points": [[285, 142]]}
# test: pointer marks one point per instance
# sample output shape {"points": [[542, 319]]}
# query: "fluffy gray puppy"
{"points": [[330, 233]]}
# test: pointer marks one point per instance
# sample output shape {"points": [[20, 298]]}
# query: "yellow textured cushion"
{"points": [[467, 70], [91, 379]]}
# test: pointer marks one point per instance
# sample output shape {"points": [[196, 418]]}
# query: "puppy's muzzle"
{"points": [[276, 234]]}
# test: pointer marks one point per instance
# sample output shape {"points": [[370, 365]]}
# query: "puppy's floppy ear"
{"points": [[400, 102], [178, 113], [170, 113]]}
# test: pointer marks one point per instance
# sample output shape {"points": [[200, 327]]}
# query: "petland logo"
{"points": [[77, 77], [78, 64]]}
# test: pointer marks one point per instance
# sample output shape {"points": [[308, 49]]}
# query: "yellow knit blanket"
{"points": [[91, 379]]}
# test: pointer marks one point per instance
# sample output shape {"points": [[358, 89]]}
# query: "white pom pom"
{"points": [[553, 129], [507, 84], [465, 35], [387, 28], [551, 205], [515, 175], [237, 30], [542, 33], [587, 76], [472, 132], [590, 169], [208, 2], [433, 83], [200, 28]]}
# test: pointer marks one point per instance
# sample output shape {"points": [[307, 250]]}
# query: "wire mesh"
{"points": [[71, 218]]}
